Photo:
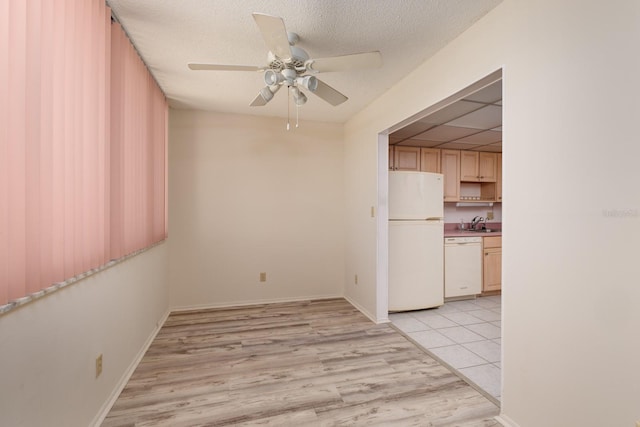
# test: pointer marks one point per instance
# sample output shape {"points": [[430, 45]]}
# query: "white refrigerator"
{"points": [[416, 240]]}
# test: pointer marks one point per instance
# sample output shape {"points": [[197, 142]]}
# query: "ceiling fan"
{"points": [[289, 65]]}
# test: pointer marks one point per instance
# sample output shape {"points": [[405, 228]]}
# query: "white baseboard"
{"points": [[506, 421], [252, 302], [106, 407], [364, 311]]}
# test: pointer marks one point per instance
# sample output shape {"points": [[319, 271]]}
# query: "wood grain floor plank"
{"points": [[309, 363]]}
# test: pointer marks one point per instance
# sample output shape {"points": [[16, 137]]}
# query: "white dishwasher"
{"points": [[462, 266]]}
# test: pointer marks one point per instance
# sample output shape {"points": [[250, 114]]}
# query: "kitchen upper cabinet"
{"points": [[430, 160], [499, 179], [492, 264], [406, 158], [488, 166], [450, 169], [471, 168], [478, 166]]}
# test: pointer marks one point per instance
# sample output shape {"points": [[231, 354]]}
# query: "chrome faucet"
{"points": [[475, 221]]}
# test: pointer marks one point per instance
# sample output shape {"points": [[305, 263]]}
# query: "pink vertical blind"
{"points": [[82, 150], [138, 147]]}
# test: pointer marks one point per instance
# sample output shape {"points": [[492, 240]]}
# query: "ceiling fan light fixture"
{"points": [[272, 78], [298, 97], [308, 82], [289, 75]]}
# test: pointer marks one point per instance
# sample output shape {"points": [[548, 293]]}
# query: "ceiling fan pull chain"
{"points": [[297, 110], [288, 106]]}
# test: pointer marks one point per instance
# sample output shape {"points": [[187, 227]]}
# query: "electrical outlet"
{"points": [[490, 215], [355, 279], [98, 365], [263, 277]]}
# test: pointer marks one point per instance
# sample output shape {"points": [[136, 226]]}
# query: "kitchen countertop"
{"points": [[459, 233], [451, 230]]}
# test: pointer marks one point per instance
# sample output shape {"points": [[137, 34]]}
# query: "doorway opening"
{"points": [[463, 334]]}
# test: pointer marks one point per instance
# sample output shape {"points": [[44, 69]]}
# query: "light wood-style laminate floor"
{"points": [[314, 363]]}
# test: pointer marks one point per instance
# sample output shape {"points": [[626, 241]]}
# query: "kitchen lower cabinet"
{"points": [[492, 264]]}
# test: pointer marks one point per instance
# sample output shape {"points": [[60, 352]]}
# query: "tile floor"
{"points": [[464, 334]]}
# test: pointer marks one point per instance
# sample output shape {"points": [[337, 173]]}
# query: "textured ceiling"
{"points": [[171, 33]]}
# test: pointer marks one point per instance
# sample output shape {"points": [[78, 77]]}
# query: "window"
{"points": [[82, 144]]}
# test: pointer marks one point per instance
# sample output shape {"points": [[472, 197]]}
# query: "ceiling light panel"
{"points": [[487, 117]]}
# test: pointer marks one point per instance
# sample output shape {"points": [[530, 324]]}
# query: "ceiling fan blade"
{"points": [[218, 67], [329, 94], [345, 62], [264, 96], [274, 34]]}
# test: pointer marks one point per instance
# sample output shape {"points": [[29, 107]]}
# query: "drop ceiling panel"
{"points": [[487, 117], [412, 130], [486, 137], [451, 112], [460, 146], [420, 143], [472, 123], [488, 95], [491, 148], [445, 133]]}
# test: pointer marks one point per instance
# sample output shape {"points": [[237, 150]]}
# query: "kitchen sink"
{"points": [[485, 230]]}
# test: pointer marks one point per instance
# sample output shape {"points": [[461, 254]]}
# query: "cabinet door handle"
{"points": [[486, 253]]}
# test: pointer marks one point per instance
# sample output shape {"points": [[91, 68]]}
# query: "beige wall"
{"points": [[572, 201], [49, 347], [247, 196]]}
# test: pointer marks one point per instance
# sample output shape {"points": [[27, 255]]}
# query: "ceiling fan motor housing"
{"points": [[296, 62]]}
